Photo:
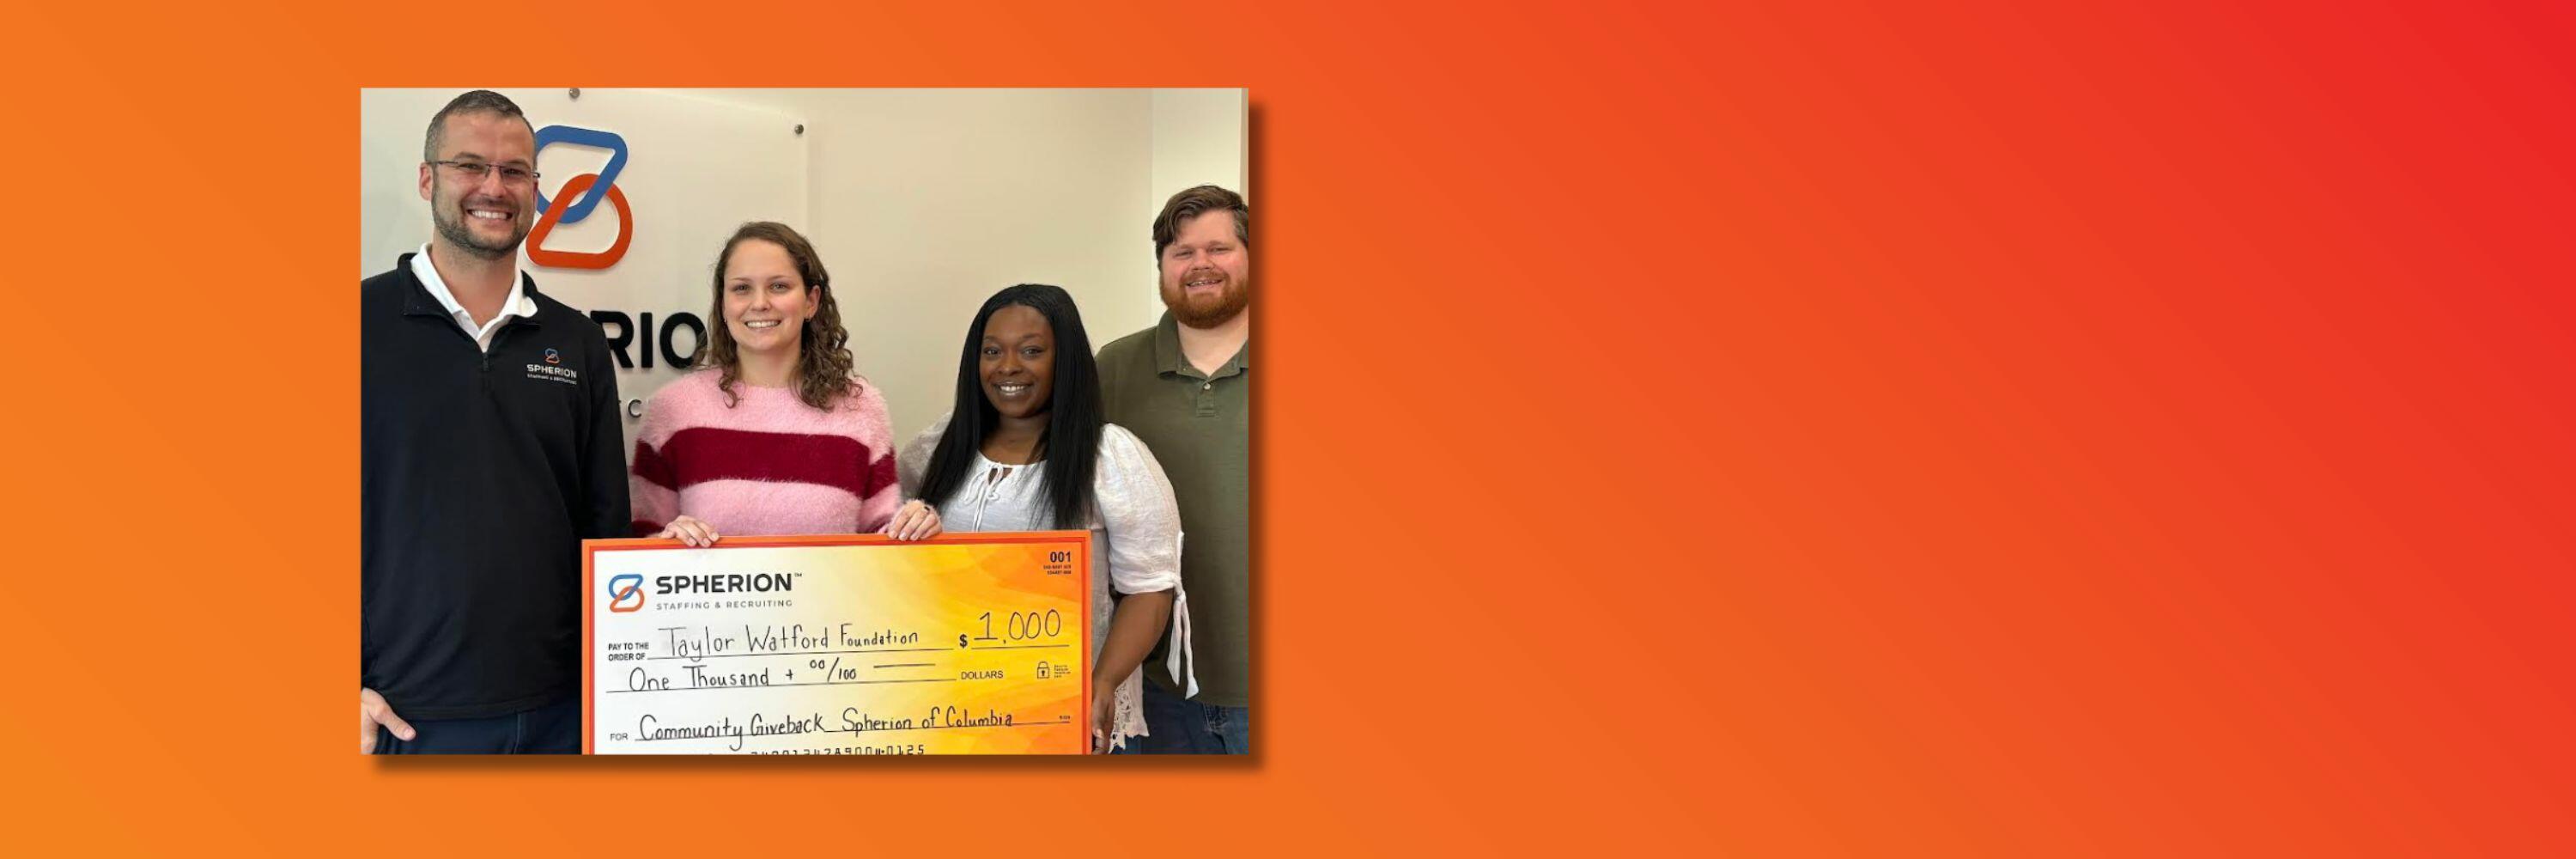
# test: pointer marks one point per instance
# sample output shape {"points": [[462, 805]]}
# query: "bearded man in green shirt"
{"points": [[1183, 386]]}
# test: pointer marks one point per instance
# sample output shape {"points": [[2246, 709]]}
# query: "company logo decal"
{"points": [[579, 198], [625, 592]]}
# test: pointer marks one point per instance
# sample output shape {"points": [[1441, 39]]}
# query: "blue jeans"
{"points": [[554, 729], [1180, 726]]}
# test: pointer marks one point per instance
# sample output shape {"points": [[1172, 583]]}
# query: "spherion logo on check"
{"points": [[625, 592]]}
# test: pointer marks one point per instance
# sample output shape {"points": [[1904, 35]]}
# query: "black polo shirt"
{"points": [[480, 473]]}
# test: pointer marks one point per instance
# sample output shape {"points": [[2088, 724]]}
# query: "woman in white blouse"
{"points": [[1025, 449]]}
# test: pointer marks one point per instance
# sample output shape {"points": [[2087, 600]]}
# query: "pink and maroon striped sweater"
{"points": [[769, 464]]}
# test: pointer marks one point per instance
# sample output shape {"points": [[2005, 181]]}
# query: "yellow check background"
{"points": [[940, 590]]}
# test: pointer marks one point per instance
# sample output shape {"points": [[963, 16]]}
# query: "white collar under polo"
{"points": [[517, 304]]}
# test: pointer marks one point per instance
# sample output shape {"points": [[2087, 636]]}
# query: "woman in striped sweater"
{"points": [[773, 433]]}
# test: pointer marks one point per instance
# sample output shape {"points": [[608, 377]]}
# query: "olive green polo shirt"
{"points": [[1199, 426]]}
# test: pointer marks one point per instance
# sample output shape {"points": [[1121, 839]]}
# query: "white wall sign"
{"points": [[691, 170]]}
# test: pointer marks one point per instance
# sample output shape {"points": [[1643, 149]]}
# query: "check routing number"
{"points": [[856, 644]]}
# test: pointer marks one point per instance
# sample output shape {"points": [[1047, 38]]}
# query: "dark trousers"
{"points": [[1180, 726], [554, 729]]}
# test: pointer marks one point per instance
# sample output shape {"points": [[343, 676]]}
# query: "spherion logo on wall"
{"points": [[574, 203], [600, 185]]}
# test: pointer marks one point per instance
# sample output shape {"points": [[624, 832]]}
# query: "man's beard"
{"points": [[1207, 311], [452, 227]]}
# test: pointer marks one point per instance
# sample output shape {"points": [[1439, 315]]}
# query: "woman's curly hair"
{"points": [[825, 372]]}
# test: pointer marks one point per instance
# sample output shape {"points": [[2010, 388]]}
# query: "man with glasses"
{"points": [[489, 447]]}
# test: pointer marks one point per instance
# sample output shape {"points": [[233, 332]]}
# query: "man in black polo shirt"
{"points": [[490, 446]]}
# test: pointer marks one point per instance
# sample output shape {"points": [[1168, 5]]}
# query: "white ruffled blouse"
{"points": [[1134, 517]]}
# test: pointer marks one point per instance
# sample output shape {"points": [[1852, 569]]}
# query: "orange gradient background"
{"points": [[1779, 428]]}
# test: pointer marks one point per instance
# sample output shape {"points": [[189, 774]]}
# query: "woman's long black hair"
{"points": [[1071, 441]]}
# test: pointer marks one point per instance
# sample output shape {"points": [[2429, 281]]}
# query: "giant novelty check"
{"points": [[857, 644]]}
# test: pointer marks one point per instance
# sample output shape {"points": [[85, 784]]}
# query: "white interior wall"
{"points": [[1199, 140], [926, 202]]}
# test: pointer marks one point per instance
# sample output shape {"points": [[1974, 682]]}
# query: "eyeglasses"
{"points": [[476, 170]]}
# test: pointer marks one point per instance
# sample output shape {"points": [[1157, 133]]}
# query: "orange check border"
{"points": [[1081, 541]]}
